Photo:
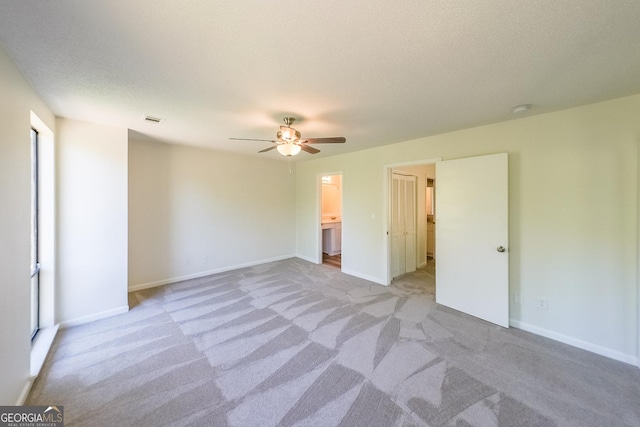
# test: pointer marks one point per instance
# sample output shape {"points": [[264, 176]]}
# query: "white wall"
{"points": [[573, 216], [92, 221], [194, 211], [18, 100]]}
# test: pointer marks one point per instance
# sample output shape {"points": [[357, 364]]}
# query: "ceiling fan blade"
{"points": [[333, 140], [308, 149], [268, 149], [252, 139]]}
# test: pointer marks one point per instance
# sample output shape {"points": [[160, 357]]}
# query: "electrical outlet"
{"points": [[205, 259], [516, 297], [187, 261], [542, 303]]}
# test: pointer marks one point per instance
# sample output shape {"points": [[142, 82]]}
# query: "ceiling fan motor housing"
{"points": [[288, 134]]}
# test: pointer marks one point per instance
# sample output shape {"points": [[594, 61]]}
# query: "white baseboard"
{"points": [[365, 277], [574, 342], [141, 286], [349, 272], [306, 258], [25, 391], [93, 317]]}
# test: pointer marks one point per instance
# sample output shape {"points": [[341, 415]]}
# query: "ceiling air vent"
{"points": [[152, 119]]}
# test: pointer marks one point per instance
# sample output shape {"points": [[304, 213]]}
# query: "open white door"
{"points": [[472, 222]]}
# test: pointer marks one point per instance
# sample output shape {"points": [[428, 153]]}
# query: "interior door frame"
{"points": [[387, 171], [318, 219]]}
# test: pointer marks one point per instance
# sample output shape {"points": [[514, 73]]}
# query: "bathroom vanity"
{"points": [[332, 237]]}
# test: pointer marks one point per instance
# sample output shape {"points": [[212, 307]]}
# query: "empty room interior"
{"points": [[321, 213]]}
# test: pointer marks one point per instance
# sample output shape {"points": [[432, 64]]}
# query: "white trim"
{"points": [[574, 342], [376, 280], [318, 220], [141, 286], [638, 262], [309, 259], [46, 221], [25, 391], [40, 348], [414, 163], [95, 316]]}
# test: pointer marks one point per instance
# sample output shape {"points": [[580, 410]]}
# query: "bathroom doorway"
{"points": [[331, 219]]}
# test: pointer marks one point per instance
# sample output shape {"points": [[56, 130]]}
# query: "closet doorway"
{"points": [[403, 223], [411, 249]]}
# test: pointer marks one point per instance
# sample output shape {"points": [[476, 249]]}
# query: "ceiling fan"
{"points": [[289, 143]]}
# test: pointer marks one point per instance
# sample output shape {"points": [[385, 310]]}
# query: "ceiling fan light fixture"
{"points": [[288, 149], [289, 144]]}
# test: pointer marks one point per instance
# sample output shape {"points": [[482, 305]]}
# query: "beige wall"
{"points": [[92, 221], [573, 209], [18, 100], [194, 211]]}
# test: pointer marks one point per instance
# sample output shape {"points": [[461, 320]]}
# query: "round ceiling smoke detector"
{"points": [[521, 109]]}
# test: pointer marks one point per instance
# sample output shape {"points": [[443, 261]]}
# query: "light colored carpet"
{"points": [[291, 343]]}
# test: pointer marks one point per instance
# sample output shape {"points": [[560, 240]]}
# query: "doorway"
{"points": [[331, 219], [403, 223], [471, 235], [412, 181]]}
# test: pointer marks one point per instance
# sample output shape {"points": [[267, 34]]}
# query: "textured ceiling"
{"points": [[376, 72]]}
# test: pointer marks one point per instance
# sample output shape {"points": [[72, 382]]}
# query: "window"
{"points": [[35, 263]]}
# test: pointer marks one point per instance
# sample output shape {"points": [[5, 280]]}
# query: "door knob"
{"points": [[501, 249]]}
